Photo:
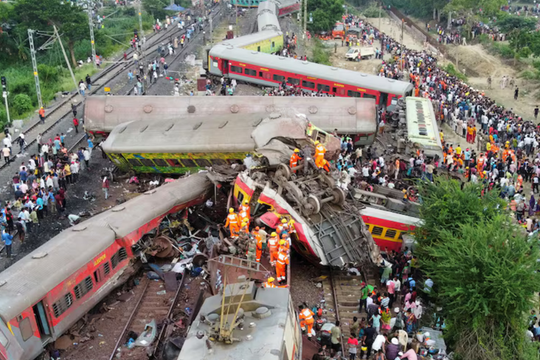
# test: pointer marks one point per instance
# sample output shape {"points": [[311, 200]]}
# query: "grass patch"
{"points": [[449, 68], [321, 55]]}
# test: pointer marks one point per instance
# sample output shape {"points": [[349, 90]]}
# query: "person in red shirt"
{"points": [[76, 124]]}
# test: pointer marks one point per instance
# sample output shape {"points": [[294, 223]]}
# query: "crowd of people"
{"points": [[40, 185]]}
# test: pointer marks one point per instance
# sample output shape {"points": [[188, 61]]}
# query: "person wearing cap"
{"points": [[273, 247], [233, 222], [392, 349], [245, 212], [42, 115], [281, 264], [258, 238], [320, 150], [269, 283], [294, 160]]}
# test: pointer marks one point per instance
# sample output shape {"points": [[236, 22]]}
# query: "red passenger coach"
{"points": [[271, 70], [288, 8], [46, 292]]}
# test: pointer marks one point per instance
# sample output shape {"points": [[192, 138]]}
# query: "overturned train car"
{"points": [[356, 117]]}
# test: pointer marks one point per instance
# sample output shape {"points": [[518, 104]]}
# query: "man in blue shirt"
{"points": [[6, 238]]}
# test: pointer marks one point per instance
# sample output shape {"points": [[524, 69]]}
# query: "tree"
{"points": [[467, 7], [155, 7], [71, 20], [512, 22], [483, 267], [325, 14]]}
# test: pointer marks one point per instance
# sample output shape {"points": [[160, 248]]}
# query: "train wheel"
{"points": [[339, 196], [314, 203]]}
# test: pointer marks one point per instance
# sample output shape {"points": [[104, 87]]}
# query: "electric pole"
{"points": [[380, 7], [91, 25], [305, 19], [5, 95], [141, 32], [65, 57], [34, 66]]}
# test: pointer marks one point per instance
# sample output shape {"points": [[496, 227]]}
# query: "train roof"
{"points": [[261, 337], [390, 215], [247, 40], [213, 134], [31, 278], [267, 14], [317, 71], [348, 115], [422, 125]]}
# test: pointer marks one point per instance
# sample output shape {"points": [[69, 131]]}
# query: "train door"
{"points": [[45, 331], [225, 69], [383, 98]]}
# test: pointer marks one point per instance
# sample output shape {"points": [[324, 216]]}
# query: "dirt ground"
{"points": [[478, 59]]}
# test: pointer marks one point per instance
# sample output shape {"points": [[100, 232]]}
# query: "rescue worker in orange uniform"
{"points": [[245, 211], [295, 158], [306, 319], [286, 246], [233, 222], [273, 248], [281, 264], [258, 239], [320, 150], [244, 229], [269, 283]]}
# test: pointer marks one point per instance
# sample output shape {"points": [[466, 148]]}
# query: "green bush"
{"points": [[21, 104], [48, 74], [373, 12], [484, 39], [320, 54], [503, 50], [452, 71]]}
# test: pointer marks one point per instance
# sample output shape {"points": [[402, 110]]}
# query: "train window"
{"points": [[353, 94], [273, 45], [3, 339], [369, 96], [293, 81], [134, 162], [161, 162], [400, 237], [390, 233], [218, 162], [250, 72], [26, 329], [236, 69], [174, 162], [308, 84], [377, 231], [106, 268], [62, 305], [83, 288], [322, 87], [279, 78], [189, 163], [258, 48], [240, 197], [147, 162], [204, 162]]}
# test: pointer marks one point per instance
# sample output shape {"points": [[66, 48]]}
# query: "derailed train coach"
{"points": [[172, 147], [46, 292], [355, 117]]}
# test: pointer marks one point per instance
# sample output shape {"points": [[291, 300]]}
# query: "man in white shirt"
{"points": [[378, 343]]}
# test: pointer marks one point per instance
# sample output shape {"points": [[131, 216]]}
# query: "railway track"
{"points": [[101, 79], [151, 304], [342, 293]]}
